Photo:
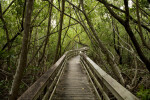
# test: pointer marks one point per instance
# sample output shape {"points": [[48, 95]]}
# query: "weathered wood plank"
{"points": [[74, 83]]}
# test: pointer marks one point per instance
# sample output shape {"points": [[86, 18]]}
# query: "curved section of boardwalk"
{"points": [[74, 83]]}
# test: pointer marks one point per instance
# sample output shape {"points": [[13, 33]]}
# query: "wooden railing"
{"points": [[43, 87], [106, 85]]}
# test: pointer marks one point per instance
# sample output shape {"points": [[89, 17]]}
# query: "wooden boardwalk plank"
{"points": [[74, 83]]}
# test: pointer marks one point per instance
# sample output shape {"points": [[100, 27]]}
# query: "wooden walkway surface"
{"points": [[74, 83]]}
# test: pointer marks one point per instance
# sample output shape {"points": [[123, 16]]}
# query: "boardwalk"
{"points": [[74, 83]]}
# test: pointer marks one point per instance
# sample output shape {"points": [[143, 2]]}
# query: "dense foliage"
{"points": [[116, 31]]}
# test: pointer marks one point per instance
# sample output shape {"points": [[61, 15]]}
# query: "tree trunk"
{"points": [[114, 66], [7, 35], [128, 30], [116, 45], [133, 38], [139, 25], [48, 33], [23, 57], [60, 31]]}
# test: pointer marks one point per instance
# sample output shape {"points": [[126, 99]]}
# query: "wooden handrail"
{"points": [[111, 84], [34, 91]]}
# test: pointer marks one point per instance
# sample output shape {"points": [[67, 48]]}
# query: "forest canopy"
{"points": [[34, 34]]}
